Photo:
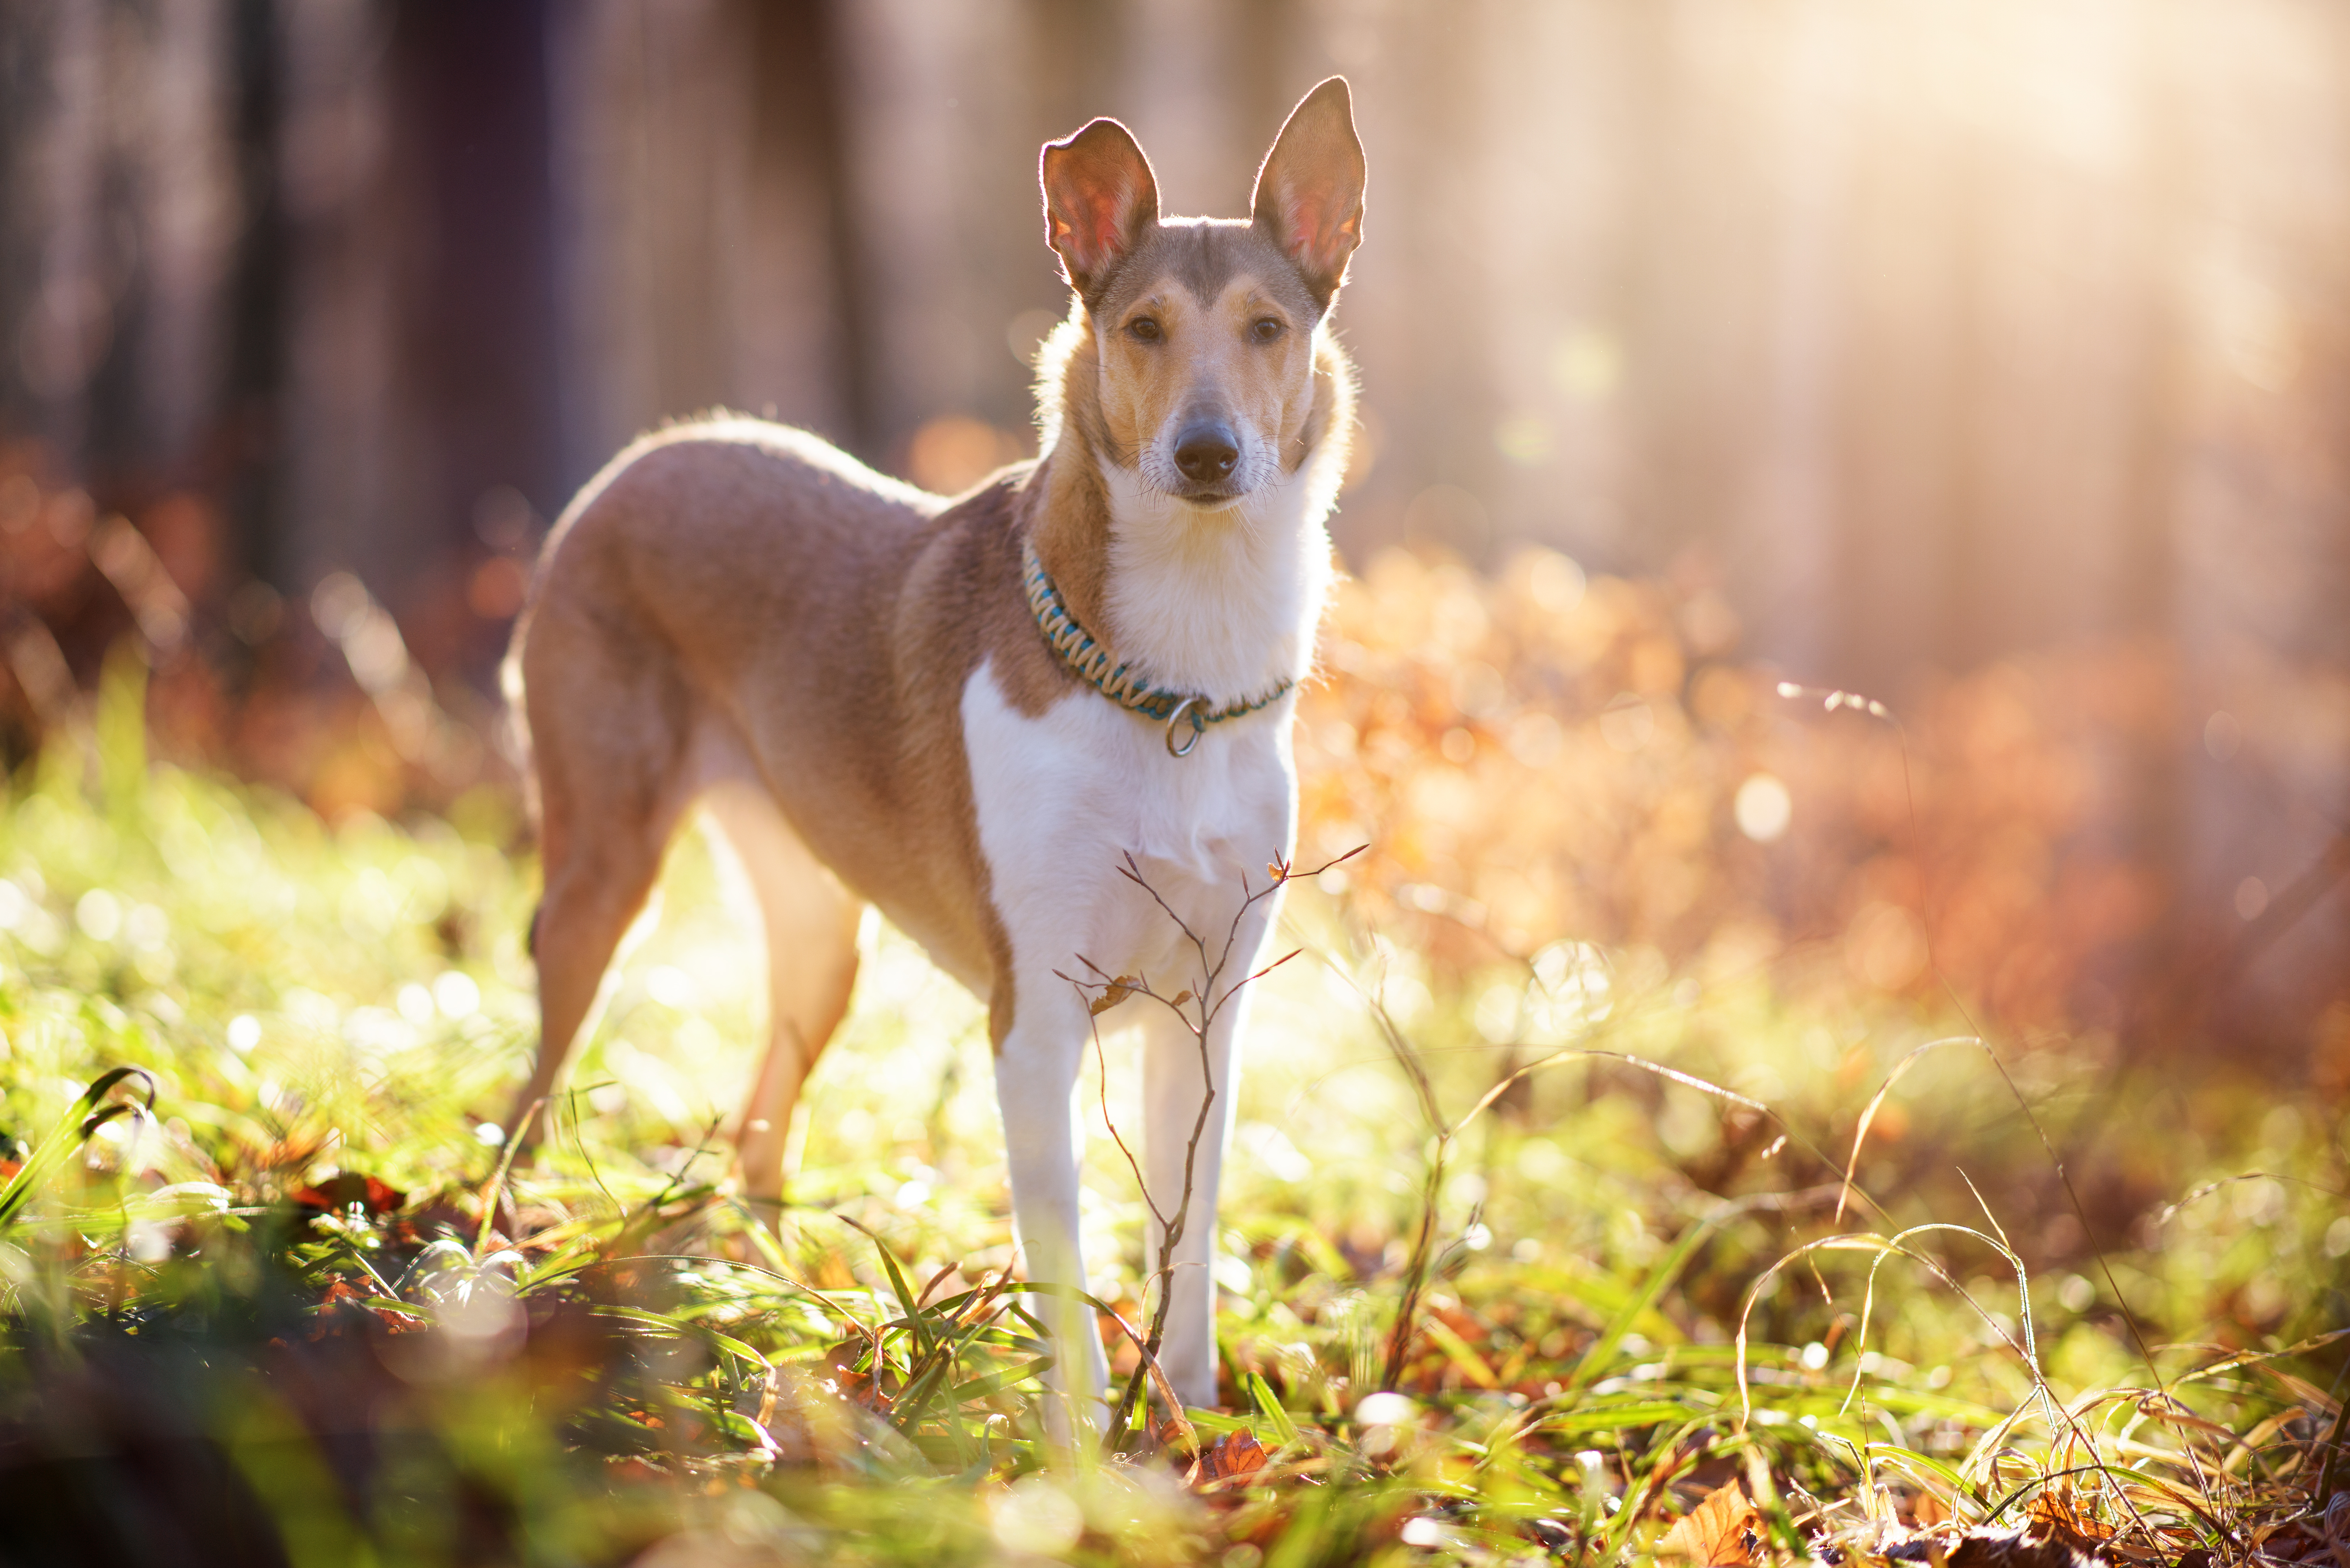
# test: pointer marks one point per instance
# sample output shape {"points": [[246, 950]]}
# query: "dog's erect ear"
{"points": [[1099, 199], [1309, 195]]}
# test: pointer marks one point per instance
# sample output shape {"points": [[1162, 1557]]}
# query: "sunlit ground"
{"points": [[314, 1000]]}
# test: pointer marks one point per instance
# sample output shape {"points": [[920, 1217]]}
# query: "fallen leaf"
{"points": [[286, 1153], [2060, 1519], [1719, 1532], [1234, 1454], [340, 1191], [2012, 1548]]}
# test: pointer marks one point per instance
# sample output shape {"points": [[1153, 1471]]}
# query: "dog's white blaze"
{"points": [[1222, 603], [1062, 799]]}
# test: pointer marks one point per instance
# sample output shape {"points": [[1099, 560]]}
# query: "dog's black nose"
{"points": [[1206, 452]]}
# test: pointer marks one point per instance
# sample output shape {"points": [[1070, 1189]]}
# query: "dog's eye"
{"points": [[1266, 328], [1145, 329]]}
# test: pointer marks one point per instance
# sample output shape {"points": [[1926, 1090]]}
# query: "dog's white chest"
{"points": [[1064, 798]]}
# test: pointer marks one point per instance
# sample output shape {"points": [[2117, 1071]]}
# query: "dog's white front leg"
{"points": [[1036, 1086], [1179, 1069]]}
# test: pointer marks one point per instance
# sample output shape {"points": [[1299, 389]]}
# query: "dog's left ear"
{"points": [[1100, 199], [1309, 193]]}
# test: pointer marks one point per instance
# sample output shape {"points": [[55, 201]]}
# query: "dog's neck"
{"points": [[1220, 603], [1223, 604]]}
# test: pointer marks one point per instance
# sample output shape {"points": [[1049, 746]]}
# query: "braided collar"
{"points": [[1093, 663]]}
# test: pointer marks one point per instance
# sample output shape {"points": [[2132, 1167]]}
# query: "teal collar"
{"points": [[1093, 663]]}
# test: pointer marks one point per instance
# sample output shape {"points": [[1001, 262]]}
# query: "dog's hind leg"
{"points": [[810, 922], [611, 787]]}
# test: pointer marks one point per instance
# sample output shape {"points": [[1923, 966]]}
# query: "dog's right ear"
{"points": [[1099, 201]]}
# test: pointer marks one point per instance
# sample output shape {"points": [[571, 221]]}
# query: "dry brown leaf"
{"points": [[1234, 1454], [2059, 1518], [1118, 990], [340, 1191], [2012, 1548], [1719, 1532]]}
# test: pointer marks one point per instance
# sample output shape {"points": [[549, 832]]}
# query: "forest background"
{"points": [[1902, 348]]}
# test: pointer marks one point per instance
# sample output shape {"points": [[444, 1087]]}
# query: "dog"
{"points": [[973, 713]]}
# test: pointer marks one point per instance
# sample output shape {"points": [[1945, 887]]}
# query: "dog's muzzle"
{"points": [[1206, 453]]}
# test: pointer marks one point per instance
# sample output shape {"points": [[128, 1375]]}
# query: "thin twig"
{"points": [[1878, 711], [1209, 999]]}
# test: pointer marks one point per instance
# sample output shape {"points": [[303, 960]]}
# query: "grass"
{"points": [[297, 1306]]}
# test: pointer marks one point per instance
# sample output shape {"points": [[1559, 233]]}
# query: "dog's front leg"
{"points": [[1036, 1086], [1183, 1155]]}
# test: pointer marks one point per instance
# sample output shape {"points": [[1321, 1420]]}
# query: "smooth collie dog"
{"points": [[971, 712]]}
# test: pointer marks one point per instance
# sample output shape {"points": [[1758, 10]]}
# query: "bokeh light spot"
{"points": [[1025, 333], [1764, 808], [954, 452], [1886, 946], [1447, 517], [1587, 364], [1034, 1517], [1556, 582], [99, 913], [1526, 439], [2223, 736], [456, 995], [1627, 724]]}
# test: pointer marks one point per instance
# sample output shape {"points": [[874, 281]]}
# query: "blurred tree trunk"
{"points": [[63, 320], [2155, 826], [467, 111], [249, 456], [1436, 335], [798, 135], [711, 253], [1795, 555], [348, 499]]}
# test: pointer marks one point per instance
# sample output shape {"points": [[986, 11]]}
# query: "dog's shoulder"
{"points": [[966, 585]]}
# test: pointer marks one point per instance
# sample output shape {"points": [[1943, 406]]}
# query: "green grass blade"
{"points": [[67, 1137], [994, 1382], [924, 1340], [1269, 1405], [717, 1338], [1593, 1360]]}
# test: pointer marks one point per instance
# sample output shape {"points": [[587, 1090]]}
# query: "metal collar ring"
{"points": [[1198, 728]]}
